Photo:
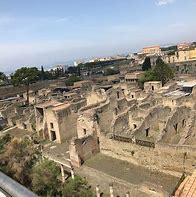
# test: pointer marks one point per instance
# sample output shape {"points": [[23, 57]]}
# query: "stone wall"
{"points": [[175, 126], [67, 123], [191, 137], [51, 118], [82, 149], [185, 67], [86, 124], [122, 105], [163, 157], [131, 122], [26, 124], [121, 123], [58, 125], [152, 86], [96, 97], [78, 104], [106, 114]]}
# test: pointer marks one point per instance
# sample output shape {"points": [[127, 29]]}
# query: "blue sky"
{"points": [[43, 32]]}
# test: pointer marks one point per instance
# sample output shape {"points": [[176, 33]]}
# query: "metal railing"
{"points": [[12, 188]]}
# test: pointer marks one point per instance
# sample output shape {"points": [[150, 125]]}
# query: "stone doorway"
{"points": [[53, 135]]}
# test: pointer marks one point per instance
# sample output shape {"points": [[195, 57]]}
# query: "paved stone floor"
{"points": [[133, 174], [96, 177], [57, 152]]}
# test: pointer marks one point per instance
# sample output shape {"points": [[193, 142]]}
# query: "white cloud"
{"points": [[164, 2]]}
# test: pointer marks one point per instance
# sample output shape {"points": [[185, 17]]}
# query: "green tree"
{"points": [[59, 72], [147, 64], [44, 178], [25, 76], [20, 160], [77, 187], [70, 81], [110, 71], [2, 76], [42, 73], [148, 76], [163, 72], [3, 141], [74, 70], [48, 75], [159, 61], [17, 159]]}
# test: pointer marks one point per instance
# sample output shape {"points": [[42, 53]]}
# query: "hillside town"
{"points": [[125, 124]]}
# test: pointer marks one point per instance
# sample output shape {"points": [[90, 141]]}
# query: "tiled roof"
{"points": [[187, 187]]}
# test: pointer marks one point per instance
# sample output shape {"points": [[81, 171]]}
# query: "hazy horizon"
{"points": [[35, 33]]}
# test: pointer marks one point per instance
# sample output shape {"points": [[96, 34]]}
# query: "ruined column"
{"points": [[127, 194], [72, 174], [111, 190], [98, 191], [15, 110], [62, 174]]}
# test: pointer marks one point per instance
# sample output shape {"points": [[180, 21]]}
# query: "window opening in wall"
{"points": [[147, 132], [183, 123], [98, 141], [116, 111], [24, 126], [152, 87], [134, 126], [53, 135], [132, 96], [84, 130], [51, 125], [176, 127], [41, 111], [118, 95]]}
